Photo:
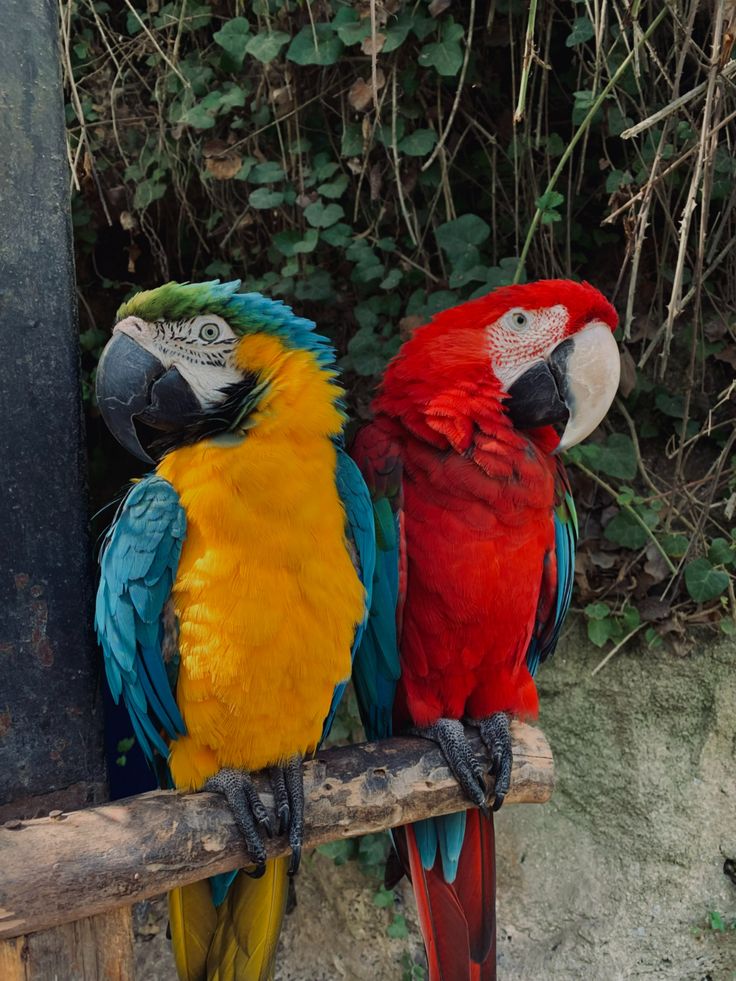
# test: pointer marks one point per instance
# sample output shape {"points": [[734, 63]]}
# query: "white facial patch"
{"points": [[522, 337], [201, 348]]}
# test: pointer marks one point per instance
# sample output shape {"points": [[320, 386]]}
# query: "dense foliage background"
{"points": [[375, 162]]}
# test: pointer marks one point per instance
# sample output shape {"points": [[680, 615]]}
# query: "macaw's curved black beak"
{"points": [[133, 386], [575, 385], [535, 399]]}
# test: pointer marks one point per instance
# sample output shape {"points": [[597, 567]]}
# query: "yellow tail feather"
{"points": [[237, 941]]}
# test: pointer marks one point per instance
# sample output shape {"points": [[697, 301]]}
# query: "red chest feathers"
{"points": [[478, 530]]}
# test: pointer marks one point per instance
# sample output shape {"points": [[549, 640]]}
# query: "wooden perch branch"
{"points": [[70, 866]]}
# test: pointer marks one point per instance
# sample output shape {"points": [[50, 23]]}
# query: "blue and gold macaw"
{"points": [[235, 578]]}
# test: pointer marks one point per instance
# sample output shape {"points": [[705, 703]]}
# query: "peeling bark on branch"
{"points": [[59, 869]]}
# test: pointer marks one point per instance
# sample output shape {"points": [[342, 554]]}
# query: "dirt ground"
{"points": [[620, 876]]}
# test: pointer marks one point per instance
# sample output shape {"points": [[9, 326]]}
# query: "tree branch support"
{"points": [[97, 862]]}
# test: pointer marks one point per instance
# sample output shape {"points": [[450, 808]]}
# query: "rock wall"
{"points": [[615, 878]]}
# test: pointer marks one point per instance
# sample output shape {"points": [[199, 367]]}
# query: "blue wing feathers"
{"points": [[377, 668], [139, 559], [361, 533], [547, 634]]}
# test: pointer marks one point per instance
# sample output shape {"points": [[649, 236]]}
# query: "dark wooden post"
{"points": [[50, 741], [50, 718]]}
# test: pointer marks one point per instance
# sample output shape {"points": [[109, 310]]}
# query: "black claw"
{"points": [[259, 809], [296, 857], [257, 872]]}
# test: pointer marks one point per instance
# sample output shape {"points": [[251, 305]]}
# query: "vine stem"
{"points": [[616, 649], [456, 102], [632, 511], [580, 132], [526, 64]]}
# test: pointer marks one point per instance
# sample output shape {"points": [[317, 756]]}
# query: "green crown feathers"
{"points": [[247, 313]]}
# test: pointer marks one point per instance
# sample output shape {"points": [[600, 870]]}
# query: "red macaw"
{"points": [[476, 534]]}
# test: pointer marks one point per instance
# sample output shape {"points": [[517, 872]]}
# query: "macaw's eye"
{"points": [[519, 320], [209, 332]]}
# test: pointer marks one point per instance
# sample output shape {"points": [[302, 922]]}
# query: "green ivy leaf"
{"points": [[617, 122], [338, 235], [582, 31], [617, 179], [454, 237], [721, 552], [383, 898], [351, 144], [321, 215], [233, 37], [440, 300], [350, 28], [397, 928], [316, 285], [618, 457], [397, 32], [339, 851], [147, 192], [266, 173], [422, 26], [419, 143], [245, 169], [548, 203], [393, 279], [231, 97], [291, 242], [219, 270], [597, 611], [318, 45], [199, 117], [584, 99], [334, 189], [555, 145], [703, 581], [601, 631], [372, 851], [445, 55], [629, 619], [266, 46], [367, 354], [652, 638], [671, 405], [716, 922], [674, 545], [263, 197], [474, 273], [623, 529], [125, 745]]}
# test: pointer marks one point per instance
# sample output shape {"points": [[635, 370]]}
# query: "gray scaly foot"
{"points": [[461, 759], [248, 810]]}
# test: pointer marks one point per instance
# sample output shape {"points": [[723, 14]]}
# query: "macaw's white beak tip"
{"points": [[588, 373]]}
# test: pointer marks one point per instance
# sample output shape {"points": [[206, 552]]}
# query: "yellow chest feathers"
{"points": [[266, 595]]}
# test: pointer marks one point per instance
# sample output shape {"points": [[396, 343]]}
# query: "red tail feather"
{"points": [[458, 920]]}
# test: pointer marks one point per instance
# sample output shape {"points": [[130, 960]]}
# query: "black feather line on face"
{"points": [[221, 418]]}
